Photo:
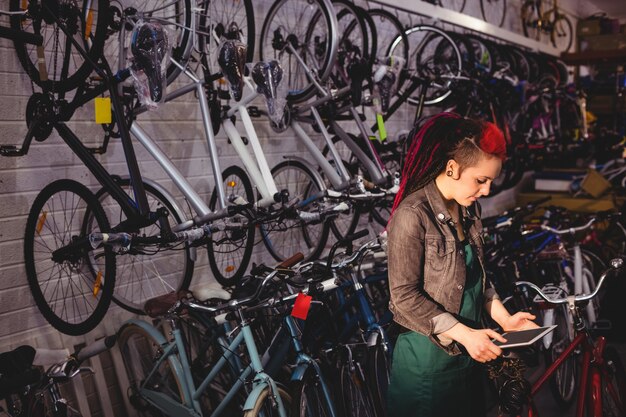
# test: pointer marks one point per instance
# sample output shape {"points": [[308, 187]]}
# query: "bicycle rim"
{"points": [[493, 11], [613, 385], [315, 43], [291, 235], [354, 395], [72, 294], [390, 36], [562, 33], [266, 405], [66, 68], [563, 382], [426, 59], [308, 397], [145, 274]]}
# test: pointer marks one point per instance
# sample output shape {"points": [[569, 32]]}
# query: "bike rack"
{"points": [[468, 22]]}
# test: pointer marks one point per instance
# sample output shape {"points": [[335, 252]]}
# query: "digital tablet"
{"points": [[523, 337]]}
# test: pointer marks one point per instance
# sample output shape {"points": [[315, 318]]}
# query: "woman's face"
{"points": [[475, 181]]}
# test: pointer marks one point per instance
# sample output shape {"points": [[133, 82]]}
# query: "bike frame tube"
{"points": [[128, 205], [329, 171], [370, 166], [196, 202], [339, 166]]}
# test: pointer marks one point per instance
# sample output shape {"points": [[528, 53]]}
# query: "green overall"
{"points": [[425, 380]]}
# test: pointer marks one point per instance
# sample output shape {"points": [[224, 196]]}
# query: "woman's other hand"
{"points": [[478, 343], [519, 321]]}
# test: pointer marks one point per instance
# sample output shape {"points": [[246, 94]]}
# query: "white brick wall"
{"points": [[178, 128]]}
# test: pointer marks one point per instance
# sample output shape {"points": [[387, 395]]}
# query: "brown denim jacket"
{"points": [[427, 264]]}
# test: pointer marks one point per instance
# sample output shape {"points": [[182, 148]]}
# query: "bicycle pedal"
{"points": [[10, 150]]}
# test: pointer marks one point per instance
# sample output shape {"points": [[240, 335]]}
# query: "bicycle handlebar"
{"points": [[570, 230], [616, 264]]}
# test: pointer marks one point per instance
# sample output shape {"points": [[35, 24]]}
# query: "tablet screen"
{"points": [[523, 337]]}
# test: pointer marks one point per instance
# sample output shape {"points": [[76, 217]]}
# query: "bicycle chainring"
{"points": [[40, 107]]}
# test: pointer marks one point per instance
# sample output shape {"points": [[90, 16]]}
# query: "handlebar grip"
{"points": [[95, 348], [355, 236], [289, 262]]}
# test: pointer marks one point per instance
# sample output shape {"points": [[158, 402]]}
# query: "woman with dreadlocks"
{"points": [[436, 275]]}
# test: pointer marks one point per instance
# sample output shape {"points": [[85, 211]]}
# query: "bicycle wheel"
{"points": [[140, 353], [377, 376], [224, 19], [86, 22], [427, 61], [315, 44], [493, 11], [266, 405], [390, 36], [145, 273], [562, 33], [613, 385], [347, 222], [563, 381], [230, 250], [73, 291], [308, 397], [353, 394], [531, 20], [174, 15], [290, 235]]}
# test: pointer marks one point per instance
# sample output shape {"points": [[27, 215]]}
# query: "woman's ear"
{"points": [[453, 169]]}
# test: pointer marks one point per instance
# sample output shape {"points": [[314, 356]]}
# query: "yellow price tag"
{"points": [[103, 110], [382, 132], [98, 284]]}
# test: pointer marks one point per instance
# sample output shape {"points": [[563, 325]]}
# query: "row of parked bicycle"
{"points": [[313, 338], [345, 64]]}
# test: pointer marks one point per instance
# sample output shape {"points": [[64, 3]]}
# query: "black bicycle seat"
{"points": [[16, 370], [267, 76], [149, 45], [232, 59]]}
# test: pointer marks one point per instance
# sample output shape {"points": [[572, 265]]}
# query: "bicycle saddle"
{"points": [[16, 370], [267, 76], [149, 45], [232, 59]]}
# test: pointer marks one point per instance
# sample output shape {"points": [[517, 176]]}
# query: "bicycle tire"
{"points": [[139, 351], [293, 235], [230, 257], [50, 212], [377, 376], [212, 24], [265, 404], [530, 20], [563, 381], [424, 41], [390, 35], [613, 385], [74, 68], [354, 394], [346, 223], [308, 397], [562, 29], [174, 15], [489, 15], [144, 276], [324, 35]]}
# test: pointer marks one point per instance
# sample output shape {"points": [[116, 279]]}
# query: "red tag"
{"points": [[301, 306]]}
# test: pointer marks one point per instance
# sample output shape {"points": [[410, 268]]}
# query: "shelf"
{"points": [[617, 56], [468, 22]]}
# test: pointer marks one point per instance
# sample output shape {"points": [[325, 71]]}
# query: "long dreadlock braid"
{"points": [[441, 138]]}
